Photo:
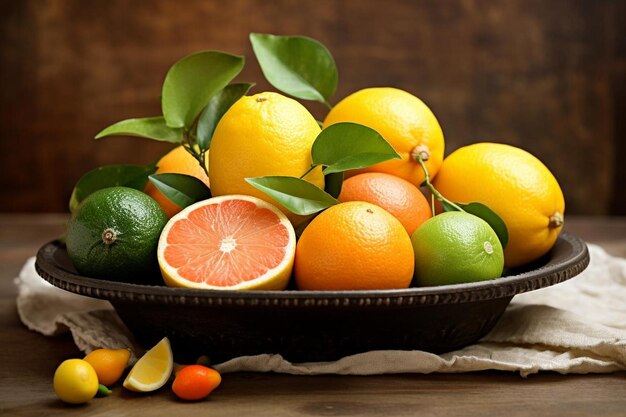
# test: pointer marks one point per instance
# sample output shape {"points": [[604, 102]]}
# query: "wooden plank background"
{"points": [[548, 76]]}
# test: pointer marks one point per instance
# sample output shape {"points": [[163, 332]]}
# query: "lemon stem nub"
{"points": [[420, 151], [556, 220], [109, 236]]}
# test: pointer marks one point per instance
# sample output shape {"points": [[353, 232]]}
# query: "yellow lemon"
{"points": [[514, 184], [152, 370], [404, 121], [75, 381], [262, 135]]}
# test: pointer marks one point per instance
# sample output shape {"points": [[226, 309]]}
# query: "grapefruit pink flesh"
{"points": [[226, 242]]}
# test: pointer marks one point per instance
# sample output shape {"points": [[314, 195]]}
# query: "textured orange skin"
{"points": [[396, 195], [265, 134], [354, 246], [403, 120], [514, 184], [176, 161]]}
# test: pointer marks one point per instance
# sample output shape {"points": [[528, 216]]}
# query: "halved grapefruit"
{"points": [[232, 242]]}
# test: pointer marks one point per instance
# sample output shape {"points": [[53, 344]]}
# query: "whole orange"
{"points": [[514, 184], [399, 197], [354, 246], [404, 121], [177, 161]]}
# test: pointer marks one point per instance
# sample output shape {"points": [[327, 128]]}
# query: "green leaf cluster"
{"points": [[195, 83], [197, 92], [195, 95]]}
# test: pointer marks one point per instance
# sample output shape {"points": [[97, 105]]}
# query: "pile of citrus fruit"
{"points": [[258, 194], [381, 235]]}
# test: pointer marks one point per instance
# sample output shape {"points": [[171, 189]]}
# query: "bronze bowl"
{"points": [[306, 326]]}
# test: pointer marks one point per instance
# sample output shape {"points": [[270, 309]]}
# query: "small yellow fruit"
{"points": [[109, 364], [152, 370], [75, 381]]}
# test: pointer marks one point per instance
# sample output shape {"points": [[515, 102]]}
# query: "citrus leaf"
{"points": [[147, 127], [133, 176], [333, 182], [488, 215], [191, 82], [182, 190], [213, 112], [296, 65], [344, 146], [295, 194], [485, 213]]}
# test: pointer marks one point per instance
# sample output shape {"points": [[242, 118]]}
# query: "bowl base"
{"points": [[317, 335]]}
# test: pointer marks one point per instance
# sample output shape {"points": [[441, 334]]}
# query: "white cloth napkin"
{"points": [[578, 326]]}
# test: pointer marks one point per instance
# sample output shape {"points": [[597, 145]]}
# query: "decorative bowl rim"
{"points": [[552, 272]]}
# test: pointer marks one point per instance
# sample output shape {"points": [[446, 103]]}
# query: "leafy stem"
{"points": [[475, 208], [311, 168], [432, 189], [198, 154], [432, 203], [202, 161]]}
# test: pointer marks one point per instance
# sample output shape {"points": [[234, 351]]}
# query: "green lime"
{"points": [[113, 234], [456, 247]]}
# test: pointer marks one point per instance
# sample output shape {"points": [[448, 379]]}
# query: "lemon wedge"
{"points": [[152, 370]]}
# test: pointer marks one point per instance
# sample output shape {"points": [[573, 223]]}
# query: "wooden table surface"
{"points": [[29, 360]]}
